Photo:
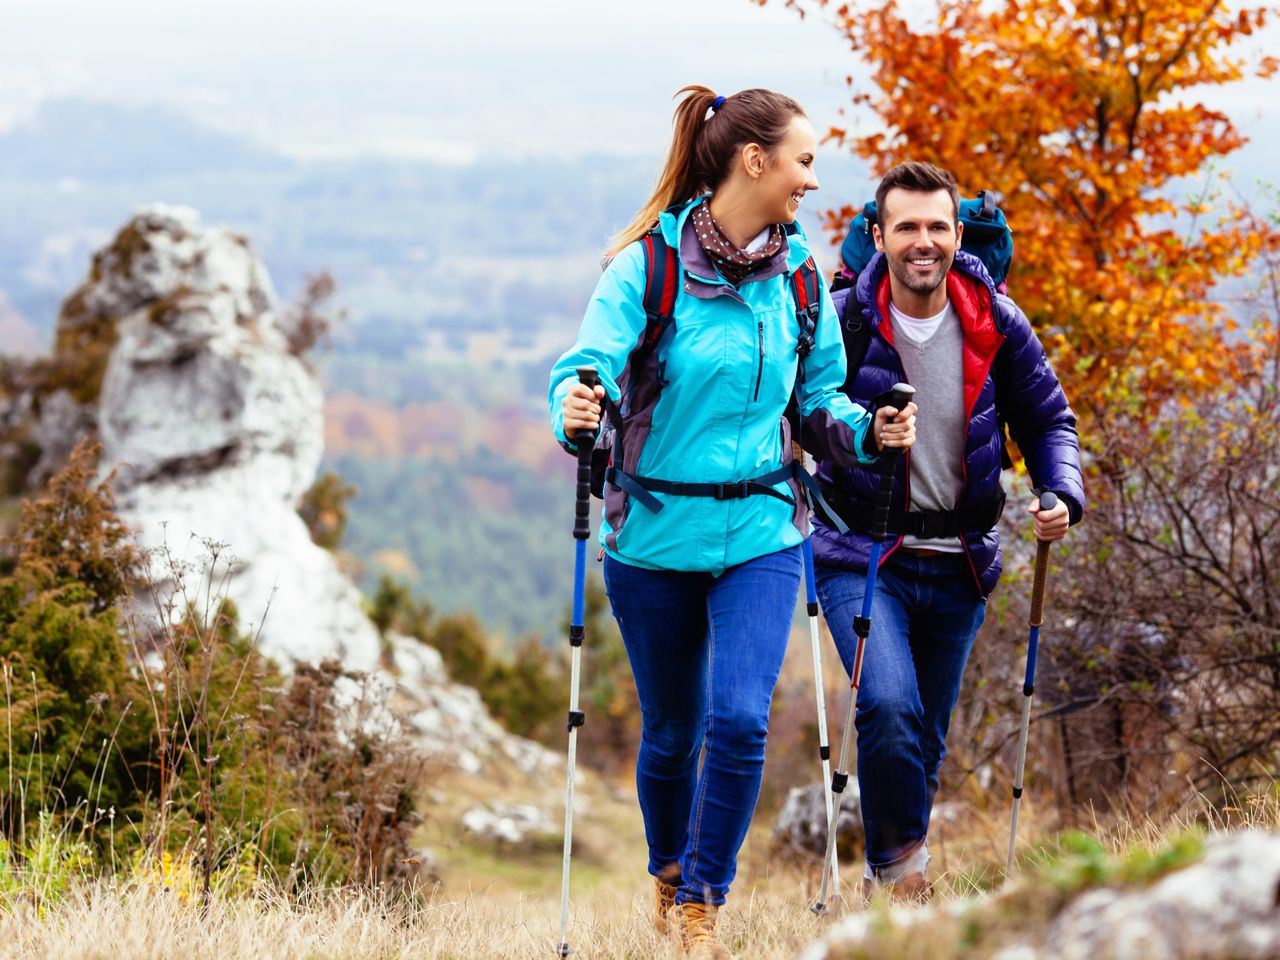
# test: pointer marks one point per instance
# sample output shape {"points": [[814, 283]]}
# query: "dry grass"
{"points": [[767, 918], [104, 920]]}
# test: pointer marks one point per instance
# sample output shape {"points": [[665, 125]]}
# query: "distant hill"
{"points": [[92, 140], [469, 530]]}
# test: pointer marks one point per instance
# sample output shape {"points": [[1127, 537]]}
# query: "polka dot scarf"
{"points": [[734, 263]]}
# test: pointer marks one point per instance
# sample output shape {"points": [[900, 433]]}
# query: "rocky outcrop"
{"points": [[214, 427], [173, 352], [451, 721], [511, 824], [801, 826], [1226, 905], [176, 354]]}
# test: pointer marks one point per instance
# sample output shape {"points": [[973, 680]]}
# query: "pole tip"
{"points": [[819, 909], [564, 950]]}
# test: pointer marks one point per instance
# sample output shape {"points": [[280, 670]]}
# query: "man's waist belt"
{"points": [[925, 524], [644, 488]]}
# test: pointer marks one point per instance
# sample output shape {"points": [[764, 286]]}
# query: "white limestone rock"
{"points": [[514, 824], [1225, 905], [451, 720], [213, 426], [801, 826], [214, 429]]}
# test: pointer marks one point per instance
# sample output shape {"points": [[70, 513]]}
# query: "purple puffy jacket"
{"points": [[1005, 368]]}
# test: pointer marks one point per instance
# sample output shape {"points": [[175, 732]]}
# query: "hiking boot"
{"points": [[664, 898], [696, 925], [909, 888], [913, 888]]}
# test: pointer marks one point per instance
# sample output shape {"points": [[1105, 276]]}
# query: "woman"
{"points": [[703, 513]]}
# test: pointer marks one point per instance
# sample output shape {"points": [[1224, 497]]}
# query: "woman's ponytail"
{"points": [[680, 176], [709, 132]]}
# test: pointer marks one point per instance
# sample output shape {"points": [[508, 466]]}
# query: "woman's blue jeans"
{"points": [[924, 617], [706, 652]]}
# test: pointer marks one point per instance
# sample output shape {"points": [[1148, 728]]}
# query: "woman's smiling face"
{"points": [[788, 173]]}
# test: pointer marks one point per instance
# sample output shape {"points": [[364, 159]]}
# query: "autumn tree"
{"points": [[1083, 117], [1086, 118]]}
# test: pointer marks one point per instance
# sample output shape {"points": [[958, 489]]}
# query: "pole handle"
{"points": [[588, 377], [897, 396], [585, 442], [1047, 502]]}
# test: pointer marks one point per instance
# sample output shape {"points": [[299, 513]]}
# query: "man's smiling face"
{"points": [[919, 236]]}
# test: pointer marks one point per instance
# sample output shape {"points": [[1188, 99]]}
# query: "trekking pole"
{"points": [[898, 396], [581, 531], [1047, 502], [824, 748]]}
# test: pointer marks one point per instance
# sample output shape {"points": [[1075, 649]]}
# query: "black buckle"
{"points": [[805, 345], [987, 210], [730, 491], [935, 526]]}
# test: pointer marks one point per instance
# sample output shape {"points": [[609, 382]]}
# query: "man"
{"points": [[937, 322]]}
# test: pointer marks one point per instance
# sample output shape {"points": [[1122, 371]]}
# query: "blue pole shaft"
{"points": [[581, 532], [1033, 644], [810, 588], [579, 582]]}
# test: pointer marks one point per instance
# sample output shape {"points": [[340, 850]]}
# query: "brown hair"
{"points": [[920, 177], [704, 145]]}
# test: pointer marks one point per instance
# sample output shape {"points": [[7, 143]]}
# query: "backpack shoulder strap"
{"points": [[807, 296], [856, 333], [661, 274]]}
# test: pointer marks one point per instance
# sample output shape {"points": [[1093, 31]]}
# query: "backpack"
{"points": [[986, 235]]}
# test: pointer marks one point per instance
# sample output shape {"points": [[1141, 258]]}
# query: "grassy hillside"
{"points": [[477, 532]]}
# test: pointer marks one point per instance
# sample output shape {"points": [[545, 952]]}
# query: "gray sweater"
{"points": [[935, 368]]}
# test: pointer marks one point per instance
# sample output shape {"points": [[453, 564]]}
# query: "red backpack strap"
{"points": [[661, 274], [806, 293]]}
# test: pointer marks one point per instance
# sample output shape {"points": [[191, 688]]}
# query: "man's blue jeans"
{"points": [[924, 617], [706, 652]]}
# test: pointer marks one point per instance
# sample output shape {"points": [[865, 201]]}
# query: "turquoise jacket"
{"points": [[728, 366]]}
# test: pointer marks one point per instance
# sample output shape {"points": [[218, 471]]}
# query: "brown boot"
{"points": [[696, 925], [664, 896], [913, 888], [910, 888]]}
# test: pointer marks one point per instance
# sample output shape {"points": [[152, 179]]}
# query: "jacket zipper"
{"points": [[760, 368]]}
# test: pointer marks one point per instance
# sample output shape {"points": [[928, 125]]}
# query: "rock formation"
{"points": [[213, 425], [801, 826], [1225, 905], [175, 353]]}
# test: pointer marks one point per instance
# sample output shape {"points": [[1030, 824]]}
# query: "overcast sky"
{"points": [[454, 80]]}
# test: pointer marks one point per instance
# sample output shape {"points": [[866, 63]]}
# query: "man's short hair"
{"points": [[918, 176]]}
